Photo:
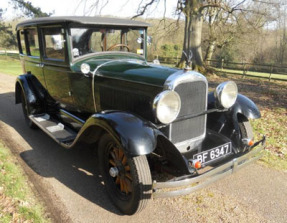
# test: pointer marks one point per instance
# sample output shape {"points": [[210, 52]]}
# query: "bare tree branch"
{"points": [[143, 9]]}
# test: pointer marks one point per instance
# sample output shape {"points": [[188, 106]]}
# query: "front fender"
{"points": [[227, 122], [243, 105], [246, 107], [137, 136]]}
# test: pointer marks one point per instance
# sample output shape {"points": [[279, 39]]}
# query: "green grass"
{"points": [[17, 202], [10, 66], [273, 124], [253, 73]]}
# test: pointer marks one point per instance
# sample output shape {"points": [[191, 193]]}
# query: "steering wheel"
{"points": [[119, 45]]}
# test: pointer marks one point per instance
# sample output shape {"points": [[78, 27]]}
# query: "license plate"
{"points": [[213, 154]]}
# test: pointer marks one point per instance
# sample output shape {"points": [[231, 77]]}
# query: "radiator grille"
{"points": [[193, 101]]}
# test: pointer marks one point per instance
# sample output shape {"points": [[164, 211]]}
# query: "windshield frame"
{"points": [[76, 26]]}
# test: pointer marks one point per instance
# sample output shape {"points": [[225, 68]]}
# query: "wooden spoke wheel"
{"points": [[127, 179]]}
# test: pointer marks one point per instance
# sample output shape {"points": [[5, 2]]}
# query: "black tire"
{"points": [[131, 189], [26, 112], [246, 129]]}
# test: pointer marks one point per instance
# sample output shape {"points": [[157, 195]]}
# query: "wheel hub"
{"points": [[114, 171]]}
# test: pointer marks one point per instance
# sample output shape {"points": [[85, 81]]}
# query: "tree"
{"points": [[7, 38], [28, 9], [224, 27], [217, 13], [195, 12]]}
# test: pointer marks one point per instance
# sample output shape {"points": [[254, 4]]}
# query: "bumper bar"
{"points": [[192, 184]]}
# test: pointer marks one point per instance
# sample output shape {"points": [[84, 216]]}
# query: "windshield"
{"points": [[92, 40]]}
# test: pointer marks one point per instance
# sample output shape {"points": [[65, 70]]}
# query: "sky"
{"points": [[118, 8]]}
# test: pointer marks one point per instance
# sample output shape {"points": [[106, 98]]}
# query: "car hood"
{"points": [[131, 69]]}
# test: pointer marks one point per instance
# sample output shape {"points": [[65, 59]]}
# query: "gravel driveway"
{"points": [[68, 182]]}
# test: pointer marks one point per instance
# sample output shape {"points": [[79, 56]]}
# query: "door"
{"points": [[30, 51], [56, 65]]}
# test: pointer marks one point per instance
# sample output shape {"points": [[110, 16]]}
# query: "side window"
{"points": [[22, 42], [32, 37], [54, 43], [96, 42]]}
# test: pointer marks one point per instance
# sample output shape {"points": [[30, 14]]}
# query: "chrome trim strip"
{"points": [[207, 178]]}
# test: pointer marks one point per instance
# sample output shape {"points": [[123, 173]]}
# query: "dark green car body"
{"points": [[119, 96]]}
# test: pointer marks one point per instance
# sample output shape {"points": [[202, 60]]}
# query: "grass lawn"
{"points": [[273, 124], [17, 201], [10, 66]]}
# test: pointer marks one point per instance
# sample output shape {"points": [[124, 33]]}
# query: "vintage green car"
{"points": [[87, 79]]}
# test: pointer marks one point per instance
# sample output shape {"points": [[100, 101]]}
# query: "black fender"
{"points": [[243, 106], [137, 136], [34, 92], [227, 122]]}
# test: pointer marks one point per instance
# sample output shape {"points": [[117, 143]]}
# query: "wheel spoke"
{"points": [[116, 152], [113, 154], [121, 185], [124, 161], [112, 162], [121, 154], [128, 185], [127, 168], [118, 180], [129, 176]]}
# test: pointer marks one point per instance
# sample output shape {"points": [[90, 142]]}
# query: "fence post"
{"points": [[222, 62], [243, 70], [271, 69]]}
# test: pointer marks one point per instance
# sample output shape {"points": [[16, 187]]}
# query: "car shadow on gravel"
{"points": [[75, 168]]}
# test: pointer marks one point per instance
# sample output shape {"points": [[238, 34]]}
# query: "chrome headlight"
{"points": [[166, 106], [226, 94]]}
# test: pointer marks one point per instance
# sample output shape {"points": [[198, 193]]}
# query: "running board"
{"points": [[56, 130]]}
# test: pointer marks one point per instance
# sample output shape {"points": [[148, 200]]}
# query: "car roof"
{"points": [[96, 20]]}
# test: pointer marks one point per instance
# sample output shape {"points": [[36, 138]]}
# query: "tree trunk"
{"points": [[209, 52], [192, 35], [195, 40]]}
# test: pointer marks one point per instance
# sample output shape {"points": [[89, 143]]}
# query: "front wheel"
{"points": [[127, 179]]}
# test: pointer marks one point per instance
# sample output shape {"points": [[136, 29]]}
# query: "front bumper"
{"points": [[194, 183]]}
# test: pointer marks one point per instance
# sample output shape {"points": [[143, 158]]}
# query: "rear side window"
{"points": [[22, 42], [33, 42], [54, 43]]}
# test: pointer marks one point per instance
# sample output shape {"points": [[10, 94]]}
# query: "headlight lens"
{"points": [[167, 106], [226, 93]]}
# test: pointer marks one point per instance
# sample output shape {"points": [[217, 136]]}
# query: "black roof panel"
{"points": [[83, 20]]}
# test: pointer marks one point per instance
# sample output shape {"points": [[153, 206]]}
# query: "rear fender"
{"points": [[34, 92], [22, 85]]}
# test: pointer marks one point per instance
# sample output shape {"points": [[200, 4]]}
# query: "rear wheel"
{"points": [[127, 179], [26, 112]]}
